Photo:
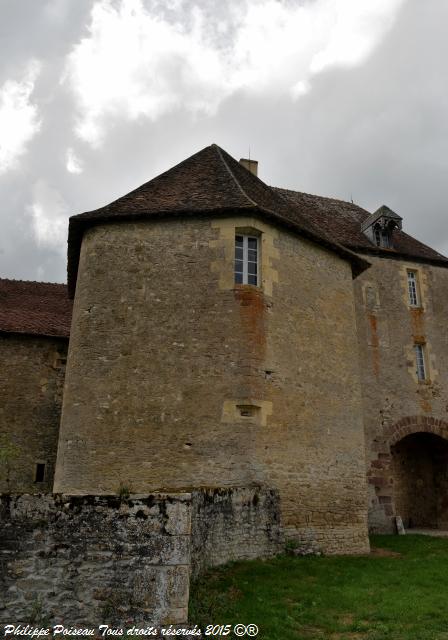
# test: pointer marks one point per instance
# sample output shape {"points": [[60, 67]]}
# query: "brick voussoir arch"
{"points": [[417, 424]]}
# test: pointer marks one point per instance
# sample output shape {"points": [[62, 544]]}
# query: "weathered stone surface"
{"points": [[32, 372], [104, 560], [93, 560], [234, 524]]}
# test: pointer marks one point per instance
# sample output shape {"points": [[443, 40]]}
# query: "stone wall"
{"points": [[31, 384], [395, 403], [194, 381], [234, 524], [90, 560]]}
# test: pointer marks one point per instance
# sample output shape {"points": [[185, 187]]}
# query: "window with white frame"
{"points": [[246, 259], [413, 289], [420, 361]]}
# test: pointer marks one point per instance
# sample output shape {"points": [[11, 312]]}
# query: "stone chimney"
{"points": [[250, 165]]}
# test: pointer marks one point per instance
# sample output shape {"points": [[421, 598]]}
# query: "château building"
{"points": [[218, 332]]}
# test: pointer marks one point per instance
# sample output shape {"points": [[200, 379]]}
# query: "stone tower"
{"points": [[213, 344]]}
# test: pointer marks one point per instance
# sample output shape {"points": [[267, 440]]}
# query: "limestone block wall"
{"points": [[31, 383], [395, 403], [90, 560], [177, 378]]}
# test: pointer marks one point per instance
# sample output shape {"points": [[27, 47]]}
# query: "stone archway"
{"points": [[403, 480], [416, 424]]}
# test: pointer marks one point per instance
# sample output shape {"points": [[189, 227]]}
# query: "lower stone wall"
{"points": [[334, 540], [234, 524], [90, 560]]}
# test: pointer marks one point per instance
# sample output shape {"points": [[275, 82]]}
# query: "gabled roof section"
{"points": [[344, 221], [35, 308], [210, 183]]}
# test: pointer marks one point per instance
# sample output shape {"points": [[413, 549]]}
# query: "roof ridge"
{"points": [[218, 149], [253, 202]]}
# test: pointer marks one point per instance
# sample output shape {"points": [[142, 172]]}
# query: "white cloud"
{"points": [[301, 88], [140, 61], [72, 162], [357, 27], [19, 120], [49, 215]]}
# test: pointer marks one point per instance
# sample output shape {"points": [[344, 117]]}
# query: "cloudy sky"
{"points": [[345, 98]]}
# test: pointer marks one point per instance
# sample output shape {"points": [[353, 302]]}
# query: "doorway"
{"points": [[420, 480]]}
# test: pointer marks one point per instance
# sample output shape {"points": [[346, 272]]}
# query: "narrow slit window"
{"points": [[40, 472], [246, 259], [413, 289], [420, 361]]}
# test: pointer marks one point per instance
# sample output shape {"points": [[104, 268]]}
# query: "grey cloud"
{"points": [[44, 30], [376, 132]]}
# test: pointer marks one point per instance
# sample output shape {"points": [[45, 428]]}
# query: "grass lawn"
{"points": [[379, 597]]}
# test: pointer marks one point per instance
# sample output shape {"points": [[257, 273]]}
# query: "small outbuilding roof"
{"points": [[210, 183], [35, 308]]}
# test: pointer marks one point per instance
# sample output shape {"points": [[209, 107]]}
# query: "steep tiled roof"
{"points": [[37, 308], [342, 220], [210, 182]]}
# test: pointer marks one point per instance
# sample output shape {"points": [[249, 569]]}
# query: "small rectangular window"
{"points": [[40, 472], [413, 289], [420, 361], [246, 259]]}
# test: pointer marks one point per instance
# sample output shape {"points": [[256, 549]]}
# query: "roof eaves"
{"points": [[382, 252], [35, 334], [78, 225]]}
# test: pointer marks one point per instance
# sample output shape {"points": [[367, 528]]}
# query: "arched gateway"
{"points": [[410, 474]]}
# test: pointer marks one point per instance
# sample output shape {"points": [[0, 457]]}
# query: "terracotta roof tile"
{"points": [[37, 308], [210, 182], [342, 220]]}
